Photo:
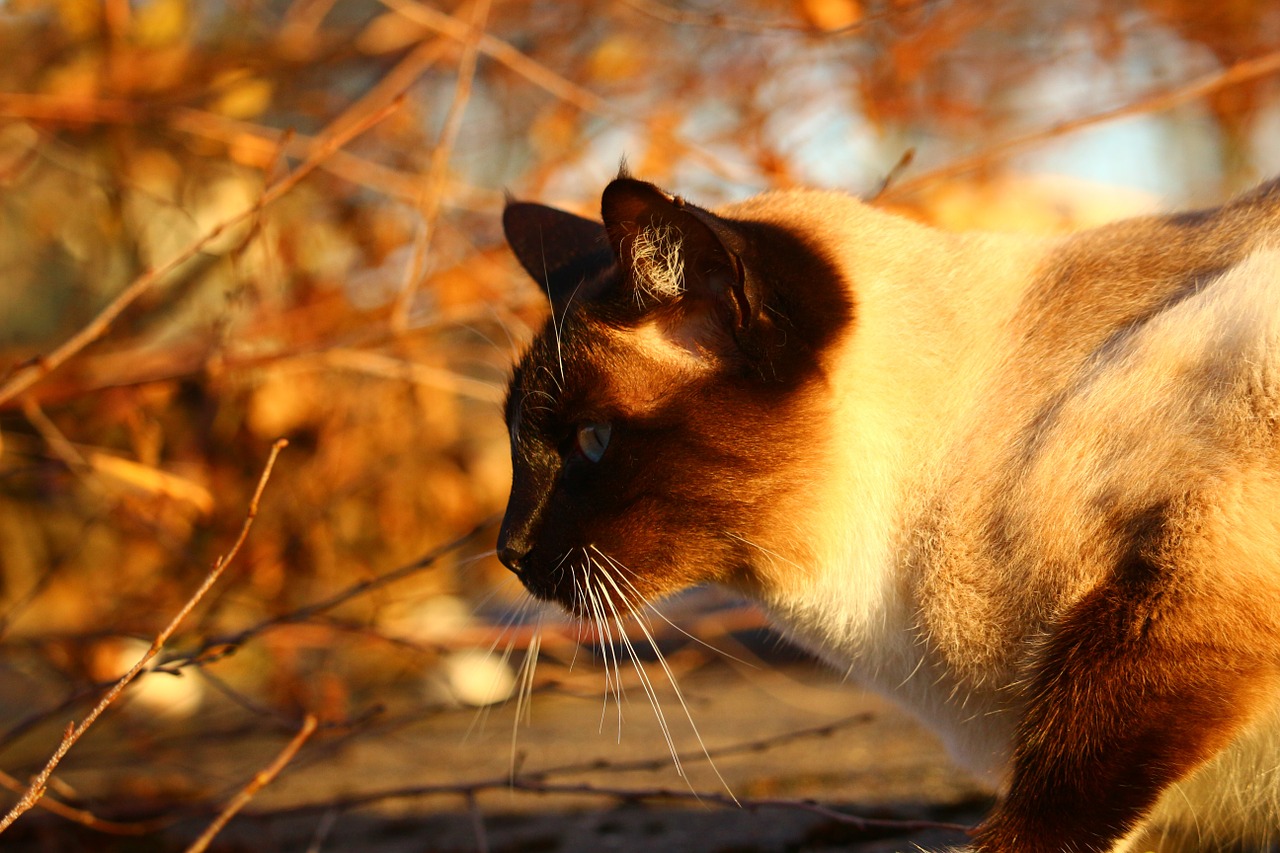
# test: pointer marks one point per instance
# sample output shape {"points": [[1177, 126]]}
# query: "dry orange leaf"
{"points": [[150, 480], [160, 23], [828, 15], [80, 18], [554, 129], [243, 96], [621, 56], [389, 32], [78, 78]]}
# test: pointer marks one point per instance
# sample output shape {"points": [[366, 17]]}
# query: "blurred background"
{"points": [[224, 222]]}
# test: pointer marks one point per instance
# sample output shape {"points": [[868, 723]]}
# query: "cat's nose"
{"points": [[516, 535], [511, 555]]}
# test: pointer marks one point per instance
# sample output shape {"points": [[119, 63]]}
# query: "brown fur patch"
{"points": [[1144, 680]]}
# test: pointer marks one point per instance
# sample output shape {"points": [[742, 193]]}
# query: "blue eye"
{"points": [[593, 439]]}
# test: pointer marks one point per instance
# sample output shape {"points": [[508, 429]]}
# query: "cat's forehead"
{"points": [[582, 366]]}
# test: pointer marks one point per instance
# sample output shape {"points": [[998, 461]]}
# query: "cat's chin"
{"points": [[560, 589], [550, 593]]}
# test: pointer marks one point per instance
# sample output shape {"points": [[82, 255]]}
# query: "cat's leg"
{"points": [[1140, 684]]}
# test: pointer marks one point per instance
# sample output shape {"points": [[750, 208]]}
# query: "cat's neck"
{"points": [[931, 326]]}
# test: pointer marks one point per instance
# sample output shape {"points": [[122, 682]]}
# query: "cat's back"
{"points": [[1134, 410]]}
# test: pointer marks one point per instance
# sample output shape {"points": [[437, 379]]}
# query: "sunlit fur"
{"points": [[659, 266], [1031, 490]]}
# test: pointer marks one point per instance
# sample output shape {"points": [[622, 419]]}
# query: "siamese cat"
{"points": [[1029, 487]]}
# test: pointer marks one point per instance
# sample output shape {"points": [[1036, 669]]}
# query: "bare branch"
{"points": [[74, 733], [750, 746], [721, 21], [536, 786], [219, 646], [432, 190], [260, 780], [547, 79], [26, 376], [1241, 72], [87, 818]]}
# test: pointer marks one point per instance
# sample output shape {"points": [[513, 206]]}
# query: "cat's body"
{"points": [[1029, 488]]}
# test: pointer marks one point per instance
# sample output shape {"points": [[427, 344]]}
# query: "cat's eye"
{"points": [[593, 440]]}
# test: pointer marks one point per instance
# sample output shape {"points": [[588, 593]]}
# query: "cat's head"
{"points": [[669, 420]]}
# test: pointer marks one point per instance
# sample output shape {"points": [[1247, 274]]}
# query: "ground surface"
{"points": [[781, 733]]}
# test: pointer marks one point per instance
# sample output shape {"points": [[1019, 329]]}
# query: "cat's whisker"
{"points": [[649, 689], [534, 392], [558, 568], [675, 687], [595, 616], [501, 586], [619, 689], [610, 650], [560, 330], [555, 379], [639, 599], [475, 558], [524, 686], [526, 407], [580, 608], [513, 350], [481, 717], [524, 691], [745, 541], [556, 325]]}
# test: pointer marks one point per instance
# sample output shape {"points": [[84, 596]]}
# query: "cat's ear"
{"points": [[673, 251], [562, 252]]}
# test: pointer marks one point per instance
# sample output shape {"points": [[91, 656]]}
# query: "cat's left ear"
{"points": [[563, 253], [672, 251]]}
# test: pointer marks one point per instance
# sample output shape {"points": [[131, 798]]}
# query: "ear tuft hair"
{"points": [[658, 265]]}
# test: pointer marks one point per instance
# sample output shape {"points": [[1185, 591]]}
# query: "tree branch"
{"points": [[74, 733]]}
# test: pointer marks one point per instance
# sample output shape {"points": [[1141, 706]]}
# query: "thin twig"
{"points": [[318, 838], [262, 139], [399, 78], [535, 782], [548, 80], [74, 733], [634, 795], [508, 55], [41, 107], [87, 818], [259, 781], [432, 190], [216, 648], [377, 364], [721, 799], [720, 21], [28, 375], [225, 644], [751, 746], [141, 365], [1241, 72], [343, 164], [54, 437], [477, 824]]}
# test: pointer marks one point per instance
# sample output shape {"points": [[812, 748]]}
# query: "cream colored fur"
{"points": [[929, 394], [659, 266]]}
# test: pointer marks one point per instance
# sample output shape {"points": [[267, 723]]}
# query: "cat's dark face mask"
{"points": [[665, 413]]}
